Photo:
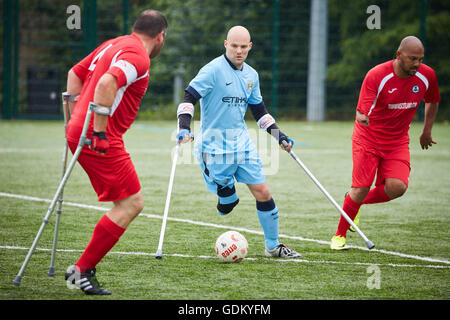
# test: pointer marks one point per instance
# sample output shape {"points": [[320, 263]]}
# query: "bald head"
{"points": [[410, 43], [409, 57], [238, 32], [237, 45]]}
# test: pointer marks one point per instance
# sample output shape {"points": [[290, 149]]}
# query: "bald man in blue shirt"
{"points": [[225, 87]]}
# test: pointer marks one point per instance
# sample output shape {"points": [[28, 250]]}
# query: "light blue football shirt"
{"points": [[225, 94]]}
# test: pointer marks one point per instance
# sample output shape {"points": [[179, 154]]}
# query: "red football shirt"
{"points": [[390, 103], [126, 58]]}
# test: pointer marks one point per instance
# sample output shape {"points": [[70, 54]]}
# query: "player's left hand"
{"points": [[288, 140], [184, 136], [426, 140]]}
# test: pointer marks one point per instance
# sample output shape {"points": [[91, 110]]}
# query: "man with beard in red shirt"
{"points": [[390, 95]]}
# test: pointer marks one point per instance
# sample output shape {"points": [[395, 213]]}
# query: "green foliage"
{"points": [[359, 49], [197, 29]]}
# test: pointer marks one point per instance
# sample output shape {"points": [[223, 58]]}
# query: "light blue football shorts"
{"points": [[223, 169]]}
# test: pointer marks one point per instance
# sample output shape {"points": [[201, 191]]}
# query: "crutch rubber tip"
{"points": [[370, 244], [51, 272], [17, 280], [158, 254]]}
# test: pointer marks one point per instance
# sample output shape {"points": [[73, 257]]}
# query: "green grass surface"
{"points": [[411, 234]]}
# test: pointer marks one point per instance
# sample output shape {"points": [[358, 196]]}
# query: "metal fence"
{"points": [[43, 39]]}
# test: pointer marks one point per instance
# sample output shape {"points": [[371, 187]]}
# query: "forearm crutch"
{"points": [[159, 253], [369, 243], [66, 98], [83, 141]]}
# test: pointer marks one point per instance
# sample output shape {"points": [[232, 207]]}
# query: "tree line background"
{"points": [[195, 36]]}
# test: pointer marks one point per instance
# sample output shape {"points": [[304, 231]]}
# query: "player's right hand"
{"points": [[184, 136], [289, 143], [99, 142]]}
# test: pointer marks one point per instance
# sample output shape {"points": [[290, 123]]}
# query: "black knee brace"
{"points": [[228, 199]]}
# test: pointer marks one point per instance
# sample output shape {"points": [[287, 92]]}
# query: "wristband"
{"points": [[101, 135], [185, 108]]}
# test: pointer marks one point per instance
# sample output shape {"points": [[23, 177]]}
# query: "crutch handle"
{"points": [[286, 145], [191, 138]]}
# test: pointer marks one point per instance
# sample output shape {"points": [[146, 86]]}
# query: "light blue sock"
{"points": [[268, 218]]}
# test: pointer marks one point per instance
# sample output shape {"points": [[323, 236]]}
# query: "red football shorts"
{"points": [[369, 161], [112, 175]]}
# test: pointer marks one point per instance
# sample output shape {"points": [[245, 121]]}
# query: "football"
{"points": [[231, 246]]}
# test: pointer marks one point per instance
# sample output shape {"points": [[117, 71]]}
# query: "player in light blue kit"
{"points": [[224, 150]]}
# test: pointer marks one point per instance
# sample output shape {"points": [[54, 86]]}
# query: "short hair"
{"points": [[150, 23]]}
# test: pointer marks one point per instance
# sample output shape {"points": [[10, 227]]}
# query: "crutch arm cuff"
{"points": [[98, 109], [71, 97]]}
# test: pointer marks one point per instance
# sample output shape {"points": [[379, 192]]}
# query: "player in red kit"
{"points": [[115, 78], [390, 95]]}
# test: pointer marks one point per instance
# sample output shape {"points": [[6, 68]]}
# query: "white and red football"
{"points": [[231, 246]]}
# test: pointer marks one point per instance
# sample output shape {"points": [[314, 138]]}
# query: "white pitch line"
{"points": [[177, 255], [218, 226]]}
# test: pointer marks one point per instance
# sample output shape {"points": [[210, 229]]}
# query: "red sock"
{"points": [[105, 236], [376, 195], [351, 208]]}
